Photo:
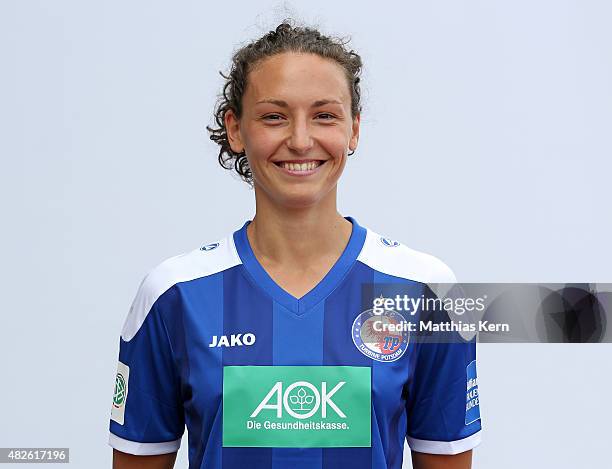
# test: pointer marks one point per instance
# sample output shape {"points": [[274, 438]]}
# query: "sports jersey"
{"points": [[262, 379]]}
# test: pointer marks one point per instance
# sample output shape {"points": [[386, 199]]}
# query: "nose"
{"points": [[300, 140]]}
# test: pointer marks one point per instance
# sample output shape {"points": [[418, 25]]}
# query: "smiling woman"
{"points": [[295, 128], [258, 342]]}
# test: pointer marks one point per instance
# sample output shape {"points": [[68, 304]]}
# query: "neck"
{"points": [[298, 236]]}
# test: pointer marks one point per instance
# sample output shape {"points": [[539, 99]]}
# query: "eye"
{"points": [[272, 117], [326, 116]]}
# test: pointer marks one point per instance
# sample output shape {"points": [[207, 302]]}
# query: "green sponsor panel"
{"points": [[296, 406]]}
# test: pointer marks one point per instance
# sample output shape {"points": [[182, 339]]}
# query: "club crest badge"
{"points": [[380, 336]]}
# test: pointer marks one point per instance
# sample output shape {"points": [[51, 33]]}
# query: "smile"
{"points": [[302, 168]]}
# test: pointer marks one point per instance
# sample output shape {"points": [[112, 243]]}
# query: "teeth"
{"points": [[300, 166]]}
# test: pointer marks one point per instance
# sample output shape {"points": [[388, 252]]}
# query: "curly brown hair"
{"points": [[285, 38]]}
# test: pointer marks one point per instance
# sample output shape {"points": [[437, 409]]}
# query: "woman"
{"points": [[259, 342]]}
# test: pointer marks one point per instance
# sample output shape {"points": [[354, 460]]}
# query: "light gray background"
{"points": [[485, 141]]}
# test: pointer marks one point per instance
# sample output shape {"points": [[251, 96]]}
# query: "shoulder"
{"points": [[392, 257], [209, 259]]}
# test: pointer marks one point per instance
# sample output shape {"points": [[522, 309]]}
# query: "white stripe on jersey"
{"points": [[182, 268], [401, 261]]}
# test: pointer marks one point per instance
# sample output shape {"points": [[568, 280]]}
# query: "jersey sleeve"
{"points": [[442, 403], [147, 417]]}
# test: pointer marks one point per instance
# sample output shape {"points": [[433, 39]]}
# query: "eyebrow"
{"points": [[281, 103]]}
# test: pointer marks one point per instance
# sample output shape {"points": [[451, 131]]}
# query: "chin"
{"points": [[300, 202], [301, 199]]}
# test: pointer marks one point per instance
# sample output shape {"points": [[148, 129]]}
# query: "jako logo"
{"points": [[390, 243], [301, 400], [235, 340]]}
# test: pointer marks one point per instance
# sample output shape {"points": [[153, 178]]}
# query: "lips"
{"points": [[299, 167]]}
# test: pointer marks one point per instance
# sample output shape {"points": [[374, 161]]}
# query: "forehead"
{"points": [[298, 77]]}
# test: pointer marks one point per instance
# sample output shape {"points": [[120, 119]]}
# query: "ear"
{"points": [[355, 132], [232, 127]]}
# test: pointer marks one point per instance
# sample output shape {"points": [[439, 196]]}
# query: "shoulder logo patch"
{"points": [[389, 243], [120, 394], [472, 401], [209, 247]]}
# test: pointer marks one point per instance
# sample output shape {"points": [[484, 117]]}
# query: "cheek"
{"points": [[336, 143], [261, 145]]}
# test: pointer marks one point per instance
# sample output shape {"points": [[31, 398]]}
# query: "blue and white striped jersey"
{"points": [[262, 379]]}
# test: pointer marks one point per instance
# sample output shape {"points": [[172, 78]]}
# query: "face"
{"points": [[296, 128]]}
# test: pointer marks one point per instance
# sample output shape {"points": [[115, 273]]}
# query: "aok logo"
{"points": [[301, 400], [297, 406]]}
